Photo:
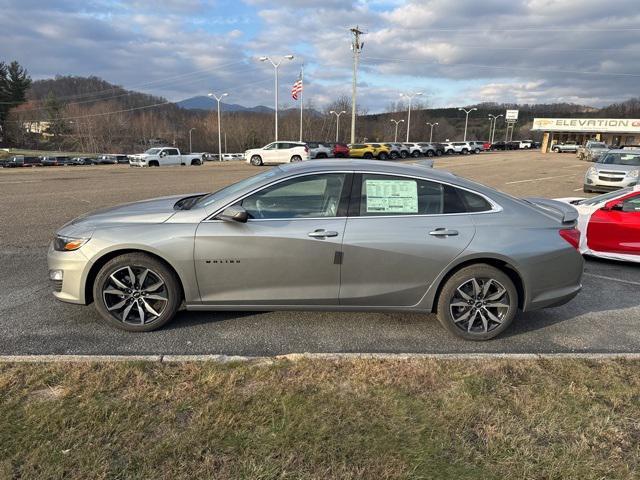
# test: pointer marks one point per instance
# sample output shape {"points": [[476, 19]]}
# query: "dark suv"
{"points": [[21, 161]]}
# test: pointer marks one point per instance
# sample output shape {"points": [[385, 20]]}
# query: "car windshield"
{"points": [[605, 197], [152, 151], [631, 159], [598, 145], [236, 187]]}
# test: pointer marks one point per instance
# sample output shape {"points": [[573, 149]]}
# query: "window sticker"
{"points": [[392, 196]]}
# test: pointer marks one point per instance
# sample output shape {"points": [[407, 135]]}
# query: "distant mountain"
{"points": [[202, 102]]}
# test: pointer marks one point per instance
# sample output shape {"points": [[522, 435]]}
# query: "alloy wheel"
{"points": [[479, 305], [135, 295]]}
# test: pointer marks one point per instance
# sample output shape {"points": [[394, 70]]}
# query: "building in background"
{"points": [[612, 131]]}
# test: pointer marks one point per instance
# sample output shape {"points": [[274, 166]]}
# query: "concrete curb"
{"points": [[315, 356]]}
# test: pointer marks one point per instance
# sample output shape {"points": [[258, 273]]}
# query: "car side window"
{"points": [[271, 146], [284, 146], [631, 204], [472, 201], [302, 197]]}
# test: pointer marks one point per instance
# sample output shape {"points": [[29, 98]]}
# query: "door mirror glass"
{"points": [[235, 213]]}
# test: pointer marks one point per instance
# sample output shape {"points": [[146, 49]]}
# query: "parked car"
{"points": [[278, 152], [565, 147], [125, 158], [499, 145], [339, 150], [403, 149], [525, 144], [617, 169], [22, 161], [163, 156], [394, 150], [477, 146], [439, 147], [55, 161], [415, 150], [428, 150], [319, 150], [592, 150], [463, 148], [486, 145], [81, 161], [325, 235], [106, 159], [369, 151], [609, 224]]}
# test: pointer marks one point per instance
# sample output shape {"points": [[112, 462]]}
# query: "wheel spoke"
{"points": [[125, 314], [143, 277], [154, 287], [132, 277], [496, 296], [486, 287], [462, 317], [485, 322], [497, 305], [460, 304], [156, 297], [472, 321], [140, 312], [492, 317], [149, 308], [463, 294], [117, 305], [476, 288], [113, 291], [118, 283]]}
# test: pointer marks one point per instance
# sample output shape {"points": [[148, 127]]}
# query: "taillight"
{"points": [[572, 236], [306, 149]]}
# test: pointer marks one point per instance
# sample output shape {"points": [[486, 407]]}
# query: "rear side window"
{"points": [[391, 195]]}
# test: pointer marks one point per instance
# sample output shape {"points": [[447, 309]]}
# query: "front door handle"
{"points": [[443, 232], [322, 233]]}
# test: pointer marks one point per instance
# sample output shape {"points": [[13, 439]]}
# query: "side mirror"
{"points": [[612, 205], [234, 213], [163, 154]]}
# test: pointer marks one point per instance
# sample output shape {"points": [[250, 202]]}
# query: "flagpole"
{"points": [[301, 95]]}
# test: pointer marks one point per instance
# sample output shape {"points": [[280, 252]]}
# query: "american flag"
{"points": [[297, 88]]}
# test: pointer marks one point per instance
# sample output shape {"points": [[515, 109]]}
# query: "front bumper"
{"points": [[595, 182], [75, 267]]}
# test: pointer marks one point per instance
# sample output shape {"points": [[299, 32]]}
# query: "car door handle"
{"points": [[322, 234], [443, 232]]}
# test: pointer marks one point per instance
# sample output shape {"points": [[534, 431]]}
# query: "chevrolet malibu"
{"points": [[325, 235]]}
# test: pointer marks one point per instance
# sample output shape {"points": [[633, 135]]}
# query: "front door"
{"points": [[617, 228], [401, 233], [287, 253]]}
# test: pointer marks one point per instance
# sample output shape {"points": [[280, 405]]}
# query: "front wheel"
{"points": [[368, 155], [478, 302], [415, 154], [429, 153], [477, 150], [557, 150], [256, 160], [465, 151], [382, 156], [404, 154], [136, 292]]}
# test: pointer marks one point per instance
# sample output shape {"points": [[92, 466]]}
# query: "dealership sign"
{"points": [[596, 125], [511, 115]]}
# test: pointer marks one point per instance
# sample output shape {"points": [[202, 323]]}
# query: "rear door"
{"points": [[400, 234], [616, 230]]}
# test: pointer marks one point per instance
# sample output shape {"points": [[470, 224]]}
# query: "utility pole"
{"points": [[356, 47], [395, 137], [190, 130]]}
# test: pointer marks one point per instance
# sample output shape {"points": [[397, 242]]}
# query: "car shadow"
{"points": [[186, 319]]}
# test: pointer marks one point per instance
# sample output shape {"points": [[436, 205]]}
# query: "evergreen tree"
{"points": [[14, 83]]}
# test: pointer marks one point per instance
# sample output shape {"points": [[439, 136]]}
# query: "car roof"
{"points": [[625, 150]]}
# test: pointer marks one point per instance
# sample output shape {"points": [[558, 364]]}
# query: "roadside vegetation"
{"points": [[321, 419]]}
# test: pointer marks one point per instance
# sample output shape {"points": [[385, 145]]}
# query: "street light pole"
{"points": [[431, 134], [410, 97], [190, 148], [466, 120], [495, 121], [395, 137], [275, 66], [337, 114], [219, 129]]}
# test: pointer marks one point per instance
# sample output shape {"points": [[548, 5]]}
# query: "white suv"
{"points": [[278, 152], [464, 148]]}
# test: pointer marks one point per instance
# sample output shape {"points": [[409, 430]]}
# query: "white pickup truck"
{"points": [[163, 156]]}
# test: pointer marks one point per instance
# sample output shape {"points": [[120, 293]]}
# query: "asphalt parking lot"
{"points": [[604, 318]]}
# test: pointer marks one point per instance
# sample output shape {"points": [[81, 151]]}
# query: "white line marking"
{"points": [[613, 279], [541, 178], [577, 190]]}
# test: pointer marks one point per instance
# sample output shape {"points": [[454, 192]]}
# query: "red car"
{"points": [[610, 224], [486, 146], [340, 150]]}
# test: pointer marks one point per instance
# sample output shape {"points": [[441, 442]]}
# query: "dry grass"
{"points": [[321, 419]]}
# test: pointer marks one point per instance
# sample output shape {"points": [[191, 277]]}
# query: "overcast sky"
{"points": [[458, 52]]}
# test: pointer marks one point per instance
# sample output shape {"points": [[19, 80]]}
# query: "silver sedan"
{"points": [[325, 235]]}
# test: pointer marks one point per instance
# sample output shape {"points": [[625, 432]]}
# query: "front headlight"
{"points": [[592, 171], [633, 174], [68, 244]]}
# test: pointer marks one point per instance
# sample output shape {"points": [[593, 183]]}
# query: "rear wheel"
{"points": [[393, 155], [429, 153], [465, 151], [195, 161], [478, 302], [404, 154], [557, 150], [382, 156], [256, 160], [154, 163], [136, 292], [368, 155], [296, 158], [477, 150], [321, 155], [415, 154]]}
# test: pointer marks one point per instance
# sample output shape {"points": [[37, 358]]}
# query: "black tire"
{"points": [[587, 190], [465, 151], [256, 160], [415, 153], [368, 155], [382, 156], [321, 155], [461, 282], [557, 150], [393, 155], [449, 152], [195, 161], [154, 163], [296, 158], [138, 262], [404, 154], [477, 150], [430, 153]]}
